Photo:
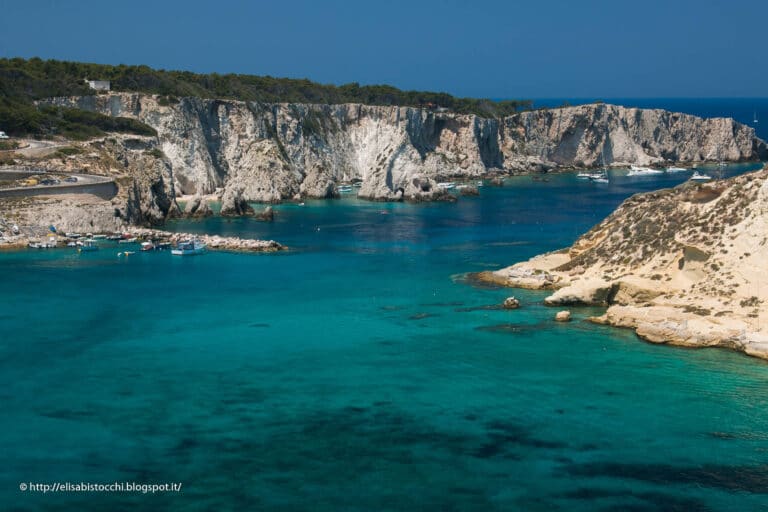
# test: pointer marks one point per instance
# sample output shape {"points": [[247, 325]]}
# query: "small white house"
{"points": [[98, 85]]}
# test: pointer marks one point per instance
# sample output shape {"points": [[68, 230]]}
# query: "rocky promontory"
{"points": [[686, 266]]}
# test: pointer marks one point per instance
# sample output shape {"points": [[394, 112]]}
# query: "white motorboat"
{"points": [[676, 169], [189, 248], [698, 176], [584, 175], [643, 171], [447, 185]]}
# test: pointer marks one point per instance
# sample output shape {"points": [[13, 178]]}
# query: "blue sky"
{"points": [[536, 49]]}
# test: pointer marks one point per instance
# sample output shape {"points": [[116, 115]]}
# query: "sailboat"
{"points": [[601, 177]]}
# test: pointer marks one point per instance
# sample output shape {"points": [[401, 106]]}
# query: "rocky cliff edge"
{"points": [[686, 266], [271, 152]]}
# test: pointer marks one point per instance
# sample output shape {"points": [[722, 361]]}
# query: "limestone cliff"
{"points": [[686, 266], [271, 152]]}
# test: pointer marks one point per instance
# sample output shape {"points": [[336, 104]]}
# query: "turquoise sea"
{"points": [[359, 371]]}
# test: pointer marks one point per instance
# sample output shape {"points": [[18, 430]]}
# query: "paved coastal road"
{"points": [[101, 186]]}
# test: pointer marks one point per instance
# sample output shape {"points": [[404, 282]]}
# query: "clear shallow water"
{"points": [[360, 372]]}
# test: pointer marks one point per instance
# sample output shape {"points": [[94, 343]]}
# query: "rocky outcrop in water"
{"points": [[271, 152], [685, 266], [197, 207]]}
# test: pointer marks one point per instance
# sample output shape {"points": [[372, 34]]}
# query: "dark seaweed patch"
{"points": [[421, 316], [490, 307], [510, 328], [642, 501], [506, 432], [752, 479]]}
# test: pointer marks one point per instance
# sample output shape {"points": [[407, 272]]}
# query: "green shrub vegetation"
{"points": [[68, 150], [156, 152], [24, 81]]}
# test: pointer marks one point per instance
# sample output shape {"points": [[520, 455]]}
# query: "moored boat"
{"points": [[46, 244], [698, 176], [88, 246], [189, 248], [634, 170]]}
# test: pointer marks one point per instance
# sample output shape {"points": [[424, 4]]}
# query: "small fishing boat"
{"points": [[127, 241], [698, 176], [447, 185], [115, 237], [147, 246], [37, 244], [676, 169], [99, 237], [189, 248], [88, 246]]}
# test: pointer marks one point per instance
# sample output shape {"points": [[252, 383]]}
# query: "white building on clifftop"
{"points": [[98, 85]]}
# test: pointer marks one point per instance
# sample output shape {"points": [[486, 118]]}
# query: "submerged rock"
{"points": [[563, 316], [267, 215]]}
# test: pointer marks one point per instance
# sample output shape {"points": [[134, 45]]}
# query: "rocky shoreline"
{"points": [[212, 242], [682, 266]]}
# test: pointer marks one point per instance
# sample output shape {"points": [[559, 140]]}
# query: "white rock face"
{"points": [[685, 266], [271, 152]]}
